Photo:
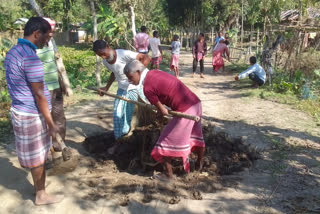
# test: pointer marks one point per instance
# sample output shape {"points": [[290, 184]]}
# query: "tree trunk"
{"points": [[266, 57], [36, 7], [300, 11], [242, 16], [95, 37], [257, 42], [65, 83], [181, 38], [212, 35], [133, 21], [251, 35], [187, 40], [228, 24], [264, 28]]}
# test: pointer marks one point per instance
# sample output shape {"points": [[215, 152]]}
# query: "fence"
{"points": [[61, 38]]}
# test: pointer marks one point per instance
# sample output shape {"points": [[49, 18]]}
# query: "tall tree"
{"points": [[95, 37]]}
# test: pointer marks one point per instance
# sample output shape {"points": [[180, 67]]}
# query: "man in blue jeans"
{"points": [[255, 72]]}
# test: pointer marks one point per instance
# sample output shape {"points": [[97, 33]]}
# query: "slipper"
{"points": [[160, 177]]}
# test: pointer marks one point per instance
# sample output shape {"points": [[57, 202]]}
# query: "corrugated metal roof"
{"points": [[291, 15], [313, 13]]}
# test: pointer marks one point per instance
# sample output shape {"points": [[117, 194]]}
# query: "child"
{"points": [[175, 51], [255, 72], [227, 40], [217, 56], [156, 50], [181, 136], [199, 51]]}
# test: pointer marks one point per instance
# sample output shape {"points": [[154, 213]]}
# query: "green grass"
{"points": [[311, 107], [81, 96]]}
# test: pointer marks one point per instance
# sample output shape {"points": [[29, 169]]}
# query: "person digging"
{"points": [[181, 136], [115, 60]]}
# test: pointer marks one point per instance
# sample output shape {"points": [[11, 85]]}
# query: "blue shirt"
{"points": [[218, 39], [256, 69], [23, 67], [175, 45]]}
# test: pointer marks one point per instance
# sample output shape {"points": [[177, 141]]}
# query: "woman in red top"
{"points": [[181, 136], [217, 56]]}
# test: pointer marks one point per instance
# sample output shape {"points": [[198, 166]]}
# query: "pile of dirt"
{"points": [[224, 154], [126, 175]]}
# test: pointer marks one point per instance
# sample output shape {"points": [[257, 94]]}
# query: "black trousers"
{"points": [[195, 64], [256, 79]]}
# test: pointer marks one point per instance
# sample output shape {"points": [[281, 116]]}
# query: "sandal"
{"points": [[160, 177]]}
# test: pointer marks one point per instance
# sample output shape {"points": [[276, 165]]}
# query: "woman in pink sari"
{"points": [[217, 59]]}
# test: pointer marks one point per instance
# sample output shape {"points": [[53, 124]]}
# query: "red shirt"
{"points": [[166, 88]]}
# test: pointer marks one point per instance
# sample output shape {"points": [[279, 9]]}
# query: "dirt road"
{"points": [[285, 180]]}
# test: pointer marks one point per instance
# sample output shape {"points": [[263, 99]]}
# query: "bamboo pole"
{"points": [[145, 105]]}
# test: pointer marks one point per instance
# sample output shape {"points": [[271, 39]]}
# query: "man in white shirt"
{"points": [[255, 72], [115, 61], [156, 50]]}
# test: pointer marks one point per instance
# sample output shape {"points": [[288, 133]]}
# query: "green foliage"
{"points": [[11, 11], [149, 13], [5, 125], [80, 63], [5, 129], [66, 11], [109, 24], [301, 85], [5, 45], [165, 62]]}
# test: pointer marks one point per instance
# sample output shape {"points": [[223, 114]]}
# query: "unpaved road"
{"points": [[285, 180]]}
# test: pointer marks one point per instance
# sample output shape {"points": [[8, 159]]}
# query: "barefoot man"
{"points": [[31, 105], [115, 60], [181, 136]]}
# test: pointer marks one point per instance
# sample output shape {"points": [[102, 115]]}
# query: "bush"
{"points": [[5, 45], [80, 63], [303, 85]]}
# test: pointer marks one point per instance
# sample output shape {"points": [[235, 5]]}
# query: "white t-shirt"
{"points": [[154, 43], [123, 57]]}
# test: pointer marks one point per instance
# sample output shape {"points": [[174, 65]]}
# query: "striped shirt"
{"points": [[23, 67], [46, 55]]}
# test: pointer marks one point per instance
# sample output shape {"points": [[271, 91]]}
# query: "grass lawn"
{"points": [[309, 106]]}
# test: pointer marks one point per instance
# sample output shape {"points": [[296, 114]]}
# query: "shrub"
{"points": [[5, 45], [80, 63]]}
